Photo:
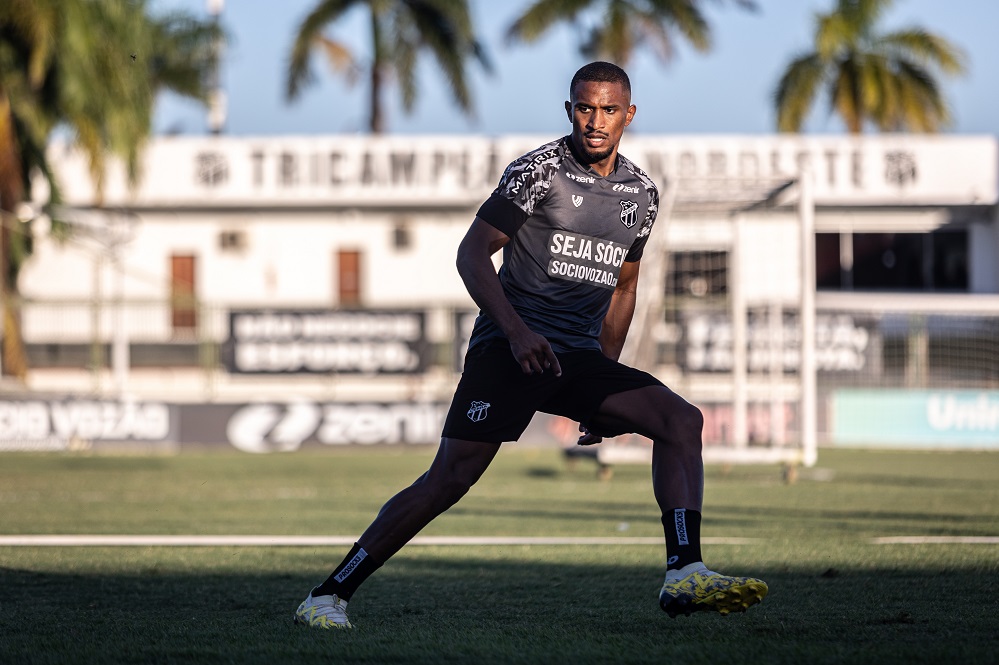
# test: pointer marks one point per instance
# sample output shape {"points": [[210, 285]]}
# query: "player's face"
{"points": [[599, 112]]}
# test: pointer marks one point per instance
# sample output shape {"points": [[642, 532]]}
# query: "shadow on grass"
{"points": [[511, 607]]}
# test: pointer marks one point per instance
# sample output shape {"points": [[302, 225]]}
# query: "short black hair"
{"points": [[601, 72]]}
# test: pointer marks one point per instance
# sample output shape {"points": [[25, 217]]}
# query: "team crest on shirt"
{"points": [[577, 200], [629, 213], [477, 411]]}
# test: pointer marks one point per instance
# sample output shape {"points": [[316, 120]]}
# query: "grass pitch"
{"points": [[835, 596]]}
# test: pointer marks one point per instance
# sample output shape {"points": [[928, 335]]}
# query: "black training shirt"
{"points": [[570, 230]]}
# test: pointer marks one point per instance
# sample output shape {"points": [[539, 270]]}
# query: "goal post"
{"points": [[741, 354]]}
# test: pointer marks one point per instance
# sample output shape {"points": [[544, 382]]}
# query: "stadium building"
{"points": [[273, 292]]}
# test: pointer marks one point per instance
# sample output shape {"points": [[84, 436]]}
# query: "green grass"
{"points": [[835, 597]]}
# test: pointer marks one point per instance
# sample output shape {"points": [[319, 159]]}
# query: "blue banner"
{"points": [[916, 418]]}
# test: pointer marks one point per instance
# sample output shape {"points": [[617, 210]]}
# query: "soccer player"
{"points": [[572, 218]]}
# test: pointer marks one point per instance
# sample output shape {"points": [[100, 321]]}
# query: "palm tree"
{"points": [[885, 79], [625, 25], [93, 68], [400, 29]]}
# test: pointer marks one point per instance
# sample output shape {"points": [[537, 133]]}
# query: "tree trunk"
{"points": [[14, 359], [377, 118]]}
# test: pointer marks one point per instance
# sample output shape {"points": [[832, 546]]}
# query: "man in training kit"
{"points": [[572, 218]]}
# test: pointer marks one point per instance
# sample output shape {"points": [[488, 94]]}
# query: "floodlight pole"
{"points": [[809, 410]]}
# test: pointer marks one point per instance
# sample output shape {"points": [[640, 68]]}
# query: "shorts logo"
{"points": [[629, 213], [477, 411], [680, 519], [577, 200], [624, 188]]}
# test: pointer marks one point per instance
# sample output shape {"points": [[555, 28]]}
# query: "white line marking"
{"points": [[937, 540], [321, 541]]}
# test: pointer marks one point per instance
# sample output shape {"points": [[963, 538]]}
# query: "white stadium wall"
{"points": [[265, 218]]}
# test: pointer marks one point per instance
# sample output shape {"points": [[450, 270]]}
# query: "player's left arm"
{"points": [[622, 308]]}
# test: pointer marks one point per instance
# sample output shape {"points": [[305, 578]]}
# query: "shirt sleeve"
{"points": [[523, 186], [638, 247]]}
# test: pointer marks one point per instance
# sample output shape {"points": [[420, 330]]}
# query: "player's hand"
{"points": [[587, 438], [534, 354]]}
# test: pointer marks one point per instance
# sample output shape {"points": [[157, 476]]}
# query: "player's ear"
{"points": [[630, 115], [568, 110]]}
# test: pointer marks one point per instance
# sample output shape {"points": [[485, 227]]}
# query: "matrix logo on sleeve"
{"points": [[580, 258]]}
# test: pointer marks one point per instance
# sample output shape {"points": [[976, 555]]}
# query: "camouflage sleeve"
{"points": [[524, 184], [638, 247]]}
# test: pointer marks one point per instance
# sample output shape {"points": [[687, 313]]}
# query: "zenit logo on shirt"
{"points": [[624, 188], [580, 258], [585, 179]]}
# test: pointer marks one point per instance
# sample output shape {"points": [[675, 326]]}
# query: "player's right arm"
{"points": [[475, 266]]}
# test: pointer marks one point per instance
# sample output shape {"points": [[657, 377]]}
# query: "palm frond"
{"points": [[845, 95], [922, 105], [543, 15], [179, 51], [300, 72], [833, 35], [614, 40], [685, 17], [797, 90], [924, 47], [654, 32], [445, 28]]}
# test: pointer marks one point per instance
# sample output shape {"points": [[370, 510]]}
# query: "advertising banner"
{"points": [[267, 427], [77, 423], [843, 343], [916, 418], [320, 341]]}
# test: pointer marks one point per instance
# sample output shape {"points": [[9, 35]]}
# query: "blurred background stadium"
{"points": [[269, 291]]}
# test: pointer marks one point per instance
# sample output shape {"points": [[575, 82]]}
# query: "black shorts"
{"points": [[495, 401]]}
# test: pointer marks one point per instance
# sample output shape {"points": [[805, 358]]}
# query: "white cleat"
{"points": [[326, 612]]}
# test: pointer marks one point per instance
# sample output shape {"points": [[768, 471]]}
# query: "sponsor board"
{"points": [[268, 427], [916, 418], [326, 341], [843, 343], [72, 423]]}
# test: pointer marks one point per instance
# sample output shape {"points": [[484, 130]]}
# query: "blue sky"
{"points": [[726, 91]]}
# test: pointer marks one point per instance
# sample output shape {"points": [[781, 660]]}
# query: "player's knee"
{"points": [[688, 423]]}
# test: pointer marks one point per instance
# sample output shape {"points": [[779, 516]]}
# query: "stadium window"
{"points": [[950, 260], [697, 274], [348, 285], [183, 294], [828, 270], [936, 261], [402, 235]]}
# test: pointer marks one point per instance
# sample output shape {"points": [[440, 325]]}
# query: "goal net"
{"points": [[729, 317], [719, 317]]}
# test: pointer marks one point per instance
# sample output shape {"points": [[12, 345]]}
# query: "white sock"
{"points": [[679, 574]]}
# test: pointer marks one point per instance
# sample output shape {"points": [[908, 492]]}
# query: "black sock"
{"points": [[683, 537], [356, 567]]}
